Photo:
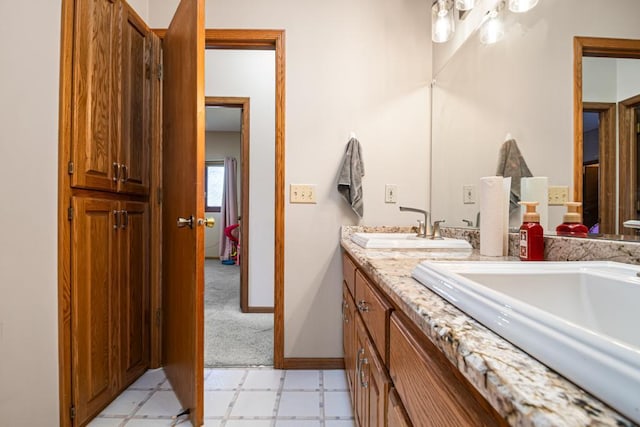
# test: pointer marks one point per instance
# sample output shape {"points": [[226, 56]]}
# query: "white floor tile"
{"points": [[302, 380], [213, 423], [216, 403], [339, 423], [248, 423], [335, 380], [254, 404], [106, 422], [161, 403], [126, 403], [298, 423], [299, 404], [156, 423], [337, 404], [262, 379], [149, 380], [226, 379]]}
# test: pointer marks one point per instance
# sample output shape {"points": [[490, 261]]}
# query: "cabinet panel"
{"points": [[134, 290], [432, 393], [361, 405], [94, 311], [375, 312], [95, 131], [349, 273], [348, 338], [396, 415], [136, 102], [376, 386]]}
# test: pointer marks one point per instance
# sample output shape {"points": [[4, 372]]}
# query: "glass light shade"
{"points": [[465, 4], [492, 31], [442, 23], [520, 6]]}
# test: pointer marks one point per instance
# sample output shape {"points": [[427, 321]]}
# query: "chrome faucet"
{"points": [[424, 227]]}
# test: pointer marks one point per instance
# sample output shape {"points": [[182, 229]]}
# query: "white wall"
{"points": [[363, 66], [521, 85], [141, 7], [252, 74], [218, 146], [29, 77]]}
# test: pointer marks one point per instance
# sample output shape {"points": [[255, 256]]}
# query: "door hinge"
{"points": [[70, 213], [638, 127], [72, 411], [160, 72], [70, 168], [159, 195], [159, 317]]}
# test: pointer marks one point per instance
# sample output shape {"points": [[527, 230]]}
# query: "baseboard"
{"points": [[259, 310], [212, 257], [313, 363]]}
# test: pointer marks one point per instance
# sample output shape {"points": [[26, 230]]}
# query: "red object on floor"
{"points": [[234, 239]]}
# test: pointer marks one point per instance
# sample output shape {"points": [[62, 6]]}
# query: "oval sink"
{"points": [[405, 241], [579, 318]]}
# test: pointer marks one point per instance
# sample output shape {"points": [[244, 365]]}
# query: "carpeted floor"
{"points": [[232, 338]]}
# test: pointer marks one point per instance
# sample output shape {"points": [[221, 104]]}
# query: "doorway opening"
{"points": [[629, 131]]}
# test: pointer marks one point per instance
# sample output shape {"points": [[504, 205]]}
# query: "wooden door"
{"points": [[361, 404], [94, 278], [134, 152], [183, 194], [134, 290], [348, 339], [376, 387], [95, 121]]}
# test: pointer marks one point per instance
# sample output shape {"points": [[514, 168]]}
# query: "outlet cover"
{"points": [[558, 195], [469, 194], [391, 193], [302, 193]]}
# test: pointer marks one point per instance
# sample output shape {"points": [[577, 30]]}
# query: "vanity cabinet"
{"points": [[109, 280], [397, 377], [111, 126]]}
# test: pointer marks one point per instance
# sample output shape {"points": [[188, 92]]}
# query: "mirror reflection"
{"points": [[523, 86]]}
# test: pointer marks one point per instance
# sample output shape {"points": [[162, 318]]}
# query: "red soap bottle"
{"points": [[572, 222], [531, 234]]}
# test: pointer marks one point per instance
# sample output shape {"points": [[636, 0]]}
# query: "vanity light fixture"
{"points": [[520, 6], [492, 27], [465, 4], [442, 22]]}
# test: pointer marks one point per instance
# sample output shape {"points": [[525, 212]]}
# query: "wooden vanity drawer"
{"points": [[375, 311], [349, 273], [434, 393]]}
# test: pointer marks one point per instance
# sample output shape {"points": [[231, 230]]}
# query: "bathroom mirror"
{"points": [[522, 86]]}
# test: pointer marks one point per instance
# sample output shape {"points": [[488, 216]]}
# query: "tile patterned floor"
{"points": [[253, 397]]}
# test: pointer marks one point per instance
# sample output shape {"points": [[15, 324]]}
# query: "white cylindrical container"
{"points": [[494, 215]]}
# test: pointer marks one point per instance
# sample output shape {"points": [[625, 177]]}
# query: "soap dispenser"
{"points": [[531, 238], [572, 222]]}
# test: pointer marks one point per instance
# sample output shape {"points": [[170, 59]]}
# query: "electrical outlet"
{"points": [[558, 195], [469, 194], [302, 193], [391, 193]]}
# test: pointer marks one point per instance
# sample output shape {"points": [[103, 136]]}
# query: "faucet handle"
{"points": [[421, 228], [436, 230]]}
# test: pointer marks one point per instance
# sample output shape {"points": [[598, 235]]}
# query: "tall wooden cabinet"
{"points": [[114, 64]]}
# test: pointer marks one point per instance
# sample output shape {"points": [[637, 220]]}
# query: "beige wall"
{"points": [[30, 51], [220, 145], [522, 85], [363, 66]]}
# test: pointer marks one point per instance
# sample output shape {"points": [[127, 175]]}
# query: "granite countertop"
{"points": [[523, 390]]}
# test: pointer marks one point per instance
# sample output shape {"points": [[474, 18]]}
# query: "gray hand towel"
{"points": [[350, 176], [511, 163]]}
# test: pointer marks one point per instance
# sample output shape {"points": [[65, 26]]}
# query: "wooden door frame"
{"points": [[628, 161], [607, 160], [244, 105], [592, 47]]}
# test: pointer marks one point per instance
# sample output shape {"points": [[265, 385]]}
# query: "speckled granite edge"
{"points": [[523, 390]]}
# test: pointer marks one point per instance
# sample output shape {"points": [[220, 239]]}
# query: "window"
{"points": [[213, 185]]}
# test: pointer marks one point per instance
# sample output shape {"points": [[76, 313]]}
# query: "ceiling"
{"points": [[223, 119]]}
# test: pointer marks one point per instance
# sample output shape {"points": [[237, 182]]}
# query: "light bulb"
{"points": [[520, 6], [465, 4], [492, 30], [442, 24]]}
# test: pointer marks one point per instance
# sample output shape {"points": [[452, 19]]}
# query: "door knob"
{"points": [[185, 222], [207, 222]]}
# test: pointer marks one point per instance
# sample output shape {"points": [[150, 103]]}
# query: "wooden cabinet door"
{"points": [[95, 116], [360, 407], [396, 415], [134, 150], [375, 386], [134, 290], [94, 279], [348, 339]]}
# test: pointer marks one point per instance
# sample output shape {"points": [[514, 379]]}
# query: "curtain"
{"points": [[229, 206]]}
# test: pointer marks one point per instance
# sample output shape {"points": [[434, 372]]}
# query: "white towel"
{"points": [[350, 176]]}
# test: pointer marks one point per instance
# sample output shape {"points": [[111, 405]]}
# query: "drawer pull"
{"points": [[359, 361], [363, 382], [362, 306]]}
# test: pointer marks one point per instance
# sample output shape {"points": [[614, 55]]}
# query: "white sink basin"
{"points": [[580, 318], [405, 241]]}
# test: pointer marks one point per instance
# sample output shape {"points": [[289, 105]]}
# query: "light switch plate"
{"points": [[391, 193], [302, 193], [469, 194], [558, 195]]}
